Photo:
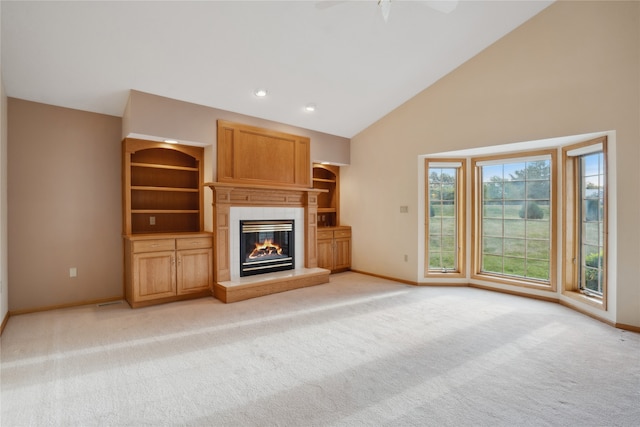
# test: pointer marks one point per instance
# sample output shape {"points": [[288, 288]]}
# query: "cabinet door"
{"points": [[195, 270], [154, 275], [342, 253], [325, 253]]}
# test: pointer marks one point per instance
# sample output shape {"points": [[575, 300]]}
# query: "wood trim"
{"points": [[513, 292], [227, 195], [627, 327], [67, 305], [257, 156], [461, 223], [134, 144], [4, 322], [571, 224], [586, 313], [173, 298], [475, 223], [407, 282]]}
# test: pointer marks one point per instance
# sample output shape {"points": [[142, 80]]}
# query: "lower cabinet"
{"points": [[167, 268], [334, 248]]}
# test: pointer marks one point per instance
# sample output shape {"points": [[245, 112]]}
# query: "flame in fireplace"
{"points": [[266, 248]]}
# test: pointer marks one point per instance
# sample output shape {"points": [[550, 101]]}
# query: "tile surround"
{"points": [[257, 213]]}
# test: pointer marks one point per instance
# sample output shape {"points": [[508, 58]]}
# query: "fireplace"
{"points": [[266, 246]]}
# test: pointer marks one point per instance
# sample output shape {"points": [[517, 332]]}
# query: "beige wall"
{"points": [[157, 116], [572, 69], [64, 205], [4, 270]]}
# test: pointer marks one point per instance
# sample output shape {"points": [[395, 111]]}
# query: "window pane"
{"points": [[442, 219], [514, 267], [492, 210], [537, 249], [492, 264], [515, 221], [492, 245], [592, 180], [515, 247], [538, 269], [492, 227], [514, 227], [514, 190]]}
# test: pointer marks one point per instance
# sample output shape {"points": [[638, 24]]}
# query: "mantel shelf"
{"points": [[242, 186]]}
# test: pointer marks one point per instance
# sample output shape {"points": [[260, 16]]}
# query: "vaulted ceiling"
{"points": [[341, 56]]}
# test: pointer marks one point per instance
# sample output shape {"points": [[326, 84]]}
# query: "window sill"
{"points": [[585, 299], [514, 282], [440, 275]]}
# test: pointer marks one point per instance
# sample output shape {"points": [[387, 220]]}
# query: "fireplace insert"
{"points": [[266, 246]]}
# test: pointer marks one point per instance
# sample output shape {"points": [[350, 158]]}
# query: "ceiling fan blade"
{"points": [[444, 6]]}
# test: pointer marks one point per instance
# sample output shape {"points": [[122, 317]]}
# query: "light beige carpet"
{"points": [[359, 351]]}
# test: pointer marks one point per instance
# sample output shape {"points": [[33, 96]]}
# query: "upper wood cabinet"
{"points": [[327, 177], [162, 187], [251, 155]]}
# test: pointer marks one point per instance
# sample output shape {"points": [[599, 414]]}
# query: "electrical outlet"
{"points": [[406, 258], [404, 209], [73, 272], [152, 220]]}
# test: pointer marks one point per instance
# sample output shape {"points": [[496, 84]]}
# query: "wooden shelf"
{"points": [[324, 180], [159, 166], [178, 189], [327, 178], [162, 187], [159, 211]]}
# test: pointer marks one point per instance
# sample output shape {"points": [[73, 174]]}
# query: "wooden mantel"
{"points": [[227, 195]]}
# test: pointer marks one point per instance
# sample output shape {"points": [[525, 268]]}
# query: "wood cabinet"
{"points": [[162, 187], [327, 177], [334, 248], [162, 268], [256, 156], [168, 257]]}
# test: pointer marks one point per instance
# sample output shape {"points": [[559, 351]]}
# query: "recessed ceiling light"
{"points": [[170, 141], [310, 107], [260, 93]]}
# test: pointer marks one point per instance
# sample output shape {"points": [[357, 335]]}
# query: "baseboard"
{"points": [[408, 282], [67, 305], [4, 322], [516, 293], [627, 327], [586, 313]]}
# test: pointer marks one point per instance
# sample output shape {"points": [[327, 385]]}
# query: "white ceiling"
{"points": [[340, 55]]}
